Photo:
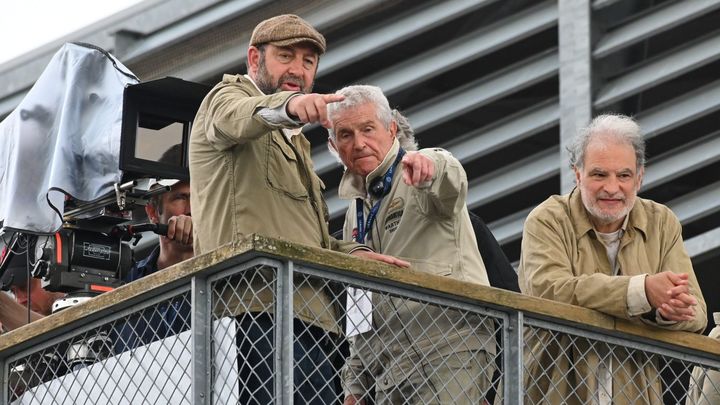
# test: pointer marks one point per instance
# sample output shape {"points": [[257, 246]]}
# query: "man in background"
{"points": [[171, 208], [410, 204], [602, 247]]}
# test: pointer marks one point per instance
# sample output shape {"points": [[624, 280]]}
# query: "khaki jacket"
{"points": [[704, 385], [246, 177], [431, 229], [562, 259]]}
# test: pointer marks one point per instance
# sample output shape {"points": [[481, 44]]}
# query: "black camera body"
{"points": [[93, 254], [84, 261]]}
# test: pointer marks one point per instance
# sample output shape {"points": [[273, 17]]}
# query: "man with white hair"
{"points": [[602, 247], [412, 205]]}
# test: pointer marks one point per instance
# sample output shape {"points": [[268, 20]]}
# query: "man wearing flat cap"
{"points": [[250, 172]]}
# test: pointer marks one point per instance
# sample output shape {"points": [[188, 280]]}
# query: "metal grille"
{"points": [[139, 358], [570, 367], [274, 332], [417, 351], [248, 346]]}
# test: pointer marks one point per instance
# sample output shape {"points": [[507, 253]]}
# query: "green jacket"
{"points": [[429, 227], [563, 260], [246, 177]]}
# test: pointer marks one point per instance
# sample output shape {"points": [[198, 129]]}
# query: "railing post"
{"points": [[513, 359], [4, 386], [284, 335], [200, 324]]}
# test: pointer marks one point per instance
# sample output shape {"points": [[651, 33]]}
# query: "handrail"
{"points": [[260, 246]]}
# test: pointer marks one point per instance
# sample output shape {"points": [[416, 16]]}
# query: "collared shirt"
{"points": [[144, 267]]}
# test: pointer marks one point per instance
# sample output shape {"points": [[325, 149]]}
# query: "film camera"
{"points": [[91, 252]]}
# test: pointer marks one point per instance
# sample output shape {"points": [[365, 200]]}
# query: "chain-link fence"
{"points": [[139, 357], [573, 366], [273, 331]]}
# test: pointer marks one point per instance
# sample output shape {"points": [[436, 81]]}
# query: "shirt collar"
{"points": [[636, 219], [144, 267], [354, 186]]}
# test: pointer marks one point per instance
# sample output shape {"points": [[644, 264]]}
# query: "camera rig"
{"points": [[91, 252]]}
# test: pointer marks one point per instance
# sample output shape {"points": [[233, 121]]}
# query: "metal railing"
{"points": [[221, 328]]}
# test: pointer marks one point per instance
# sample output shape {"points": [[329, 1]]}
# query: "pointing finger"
{"points": [[407, 174], [332, 98]]}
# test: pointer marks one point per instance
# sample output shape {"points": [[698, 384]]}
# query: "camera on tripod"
{"points": [[89, 252]]}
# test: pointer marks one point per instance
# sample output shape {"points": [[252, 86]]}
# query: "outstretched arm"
{"points": [[14, 315]]}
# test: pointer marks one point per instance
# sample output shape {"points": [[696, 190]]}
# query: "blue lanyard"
{"points": [[364, 228]]}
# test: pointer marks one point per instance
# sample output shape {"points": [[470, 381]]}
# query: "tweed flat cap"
{"points": [[286, 30]]}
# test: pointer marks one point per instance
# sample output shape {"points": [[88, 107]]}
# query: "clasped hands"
{"points": [[669, 293]]}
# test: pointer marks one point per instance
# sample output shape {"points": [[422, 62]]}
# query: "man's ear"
{"points": [[331, 145], [152, 213], [577, 175], [393, 128], [253, 60], [641, 174]]}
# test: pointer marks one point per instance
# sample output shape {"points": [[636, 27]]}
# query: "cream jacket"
{"points": [[429, 227], [563, 260], [247, 177]]}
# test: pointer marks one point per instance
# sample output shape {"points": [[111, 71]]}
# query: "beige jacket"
{"points": [[562, 259], [247, 177], [705, 384], [430, 228]]}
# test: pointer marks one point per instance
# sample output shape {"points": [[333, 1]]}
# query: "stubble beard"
{"points": [[600, 216], [264, 80]]}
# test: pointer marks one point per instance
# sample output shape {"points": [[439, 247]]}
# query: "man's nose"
{"points": [[611, 185], [358, 141], [296, 67]]}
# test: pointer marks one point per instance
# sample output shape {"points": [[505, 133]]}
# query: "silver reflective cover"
{"points": [[63, 139]]}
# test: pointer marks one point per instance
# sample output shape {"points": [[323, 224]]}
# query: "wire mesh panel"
{"points": [[141, 358], [392, 347], [704, 386], [277, 331], [562, 366], [243, 336], [416, 351]]}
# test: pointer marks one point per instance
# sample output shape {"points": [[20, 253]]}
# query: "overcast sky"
{"points": [[28, 24]]}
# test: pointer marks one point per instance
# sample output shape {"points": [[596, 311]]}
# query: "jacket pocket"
{"points": [[284, 170]]}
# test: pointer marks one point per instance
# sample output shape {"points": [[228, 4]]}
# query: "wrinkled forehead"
{"points": [[352, 115], [606, 147]]}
